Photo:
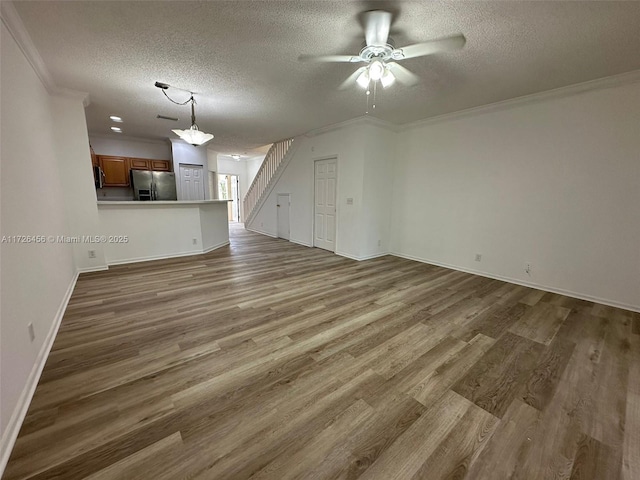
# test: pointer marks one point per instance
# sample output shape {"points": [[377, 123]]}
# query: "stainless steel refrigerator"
{"points": [[148, 185]]}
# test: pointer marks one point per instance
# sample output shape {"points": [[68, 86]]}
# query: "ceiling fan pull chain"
{"points": [[368, 94], [375, 90]]}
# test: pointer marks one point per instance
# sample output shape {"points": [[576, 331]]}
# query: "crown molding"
{"points": [[567, 91], [11, 19], [357, 121]]}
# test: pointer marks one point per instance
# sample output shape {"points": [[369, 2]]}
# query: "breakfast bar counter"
{"points": [[137, 231]]}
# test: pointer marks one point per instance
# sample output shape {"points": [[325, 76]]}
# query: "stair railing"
{"points": [[267, 170]]}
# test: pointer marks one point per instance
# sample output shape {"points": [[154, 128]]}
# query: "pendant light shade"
{"points": [[193, 136]]}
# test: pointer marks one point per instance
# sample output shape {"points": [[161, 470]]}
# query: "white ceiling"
{"points": [[240, 57]]}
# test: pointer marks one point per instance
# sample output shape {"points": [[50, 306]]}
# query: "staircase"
{"points": [[265, 178]]}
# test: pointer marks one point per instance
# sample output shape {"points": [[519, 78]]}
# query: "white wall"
{"points": [[123, 147], [554, 183], [74, 164], [35, 278], [380, 151], [253, 165], [184, 153]]}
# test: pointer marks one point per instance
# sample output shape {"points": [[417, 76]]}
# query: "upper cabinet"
{"points": [[160, 165], [115, 170], [145, 164], [139, 164]]}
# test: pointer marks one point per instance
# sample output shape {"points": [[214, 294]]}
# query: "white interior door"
{"points": [[191, 182], [324, 223], [284, 204]]}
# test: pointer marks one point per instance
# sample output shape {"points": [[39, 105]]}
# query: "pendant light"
{"points": [[193, 136]]}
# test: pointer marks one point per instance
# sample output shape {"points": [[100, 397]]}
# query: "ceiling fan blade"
{"points": [[403, 75], [351, 80], [454, 42], [329, 58], [376, 27]]}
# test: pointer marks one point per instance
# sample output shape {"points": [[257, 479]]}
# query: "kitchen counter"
{"points": [[136, 231]]}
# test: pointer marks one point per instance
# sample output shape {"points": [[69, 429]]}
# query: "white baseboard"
{"points": [[215, 247], [165, 257], [101, 268], [154, 257], [261, 232], [10, 435], [537, 286], [300, 242], [364, 257]]}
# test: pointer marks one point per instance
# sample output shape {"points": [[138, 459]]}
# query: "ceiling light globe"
{"points": [[363, 79], [387, 79], [376, 70]]}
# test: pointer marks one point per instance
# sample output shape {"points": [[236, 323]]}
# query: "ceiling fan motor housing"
{"points": [[383, 52]]}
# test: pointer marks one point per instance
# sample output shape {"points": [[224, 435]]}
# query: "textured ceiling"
{"points": [[240, 57]]}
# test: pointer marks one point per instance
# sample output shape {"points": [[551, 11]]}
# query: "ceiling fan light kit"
{"points": [[381, 56]]}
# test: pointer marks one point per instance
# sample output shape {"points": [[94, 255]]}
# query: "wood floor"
{"points": [[271, 360]]}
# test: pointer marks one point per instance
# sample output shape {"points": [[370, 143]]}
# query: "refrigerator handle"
{"points": [[153, 191]]}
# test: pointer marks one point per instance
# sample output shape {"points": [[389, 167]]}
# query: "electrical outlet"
{"points": [[478, 257], [32, 332], [527, 268], [195, 241], [261, 224], [92, 254], [349, 201], [379, 242]]}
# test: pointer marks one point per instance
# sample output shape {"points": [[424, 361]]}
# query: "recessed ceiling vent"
{"points": [[167, 118]]}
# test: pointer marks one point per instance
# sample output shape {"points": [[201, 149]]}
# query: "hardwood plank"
{"points": [[540, 323], [494, 381], [407, 454], [428, 388], [507, 445], [540, 387], [592, 461], [459, 449]]}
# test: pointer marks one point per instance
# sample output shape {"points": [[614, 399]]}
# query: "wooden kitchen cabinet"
{"points": [[115, 170], [145, 164], [139, 164], [160, 165]]}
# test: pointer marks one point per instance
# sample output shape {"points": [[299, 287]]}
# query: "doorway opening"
{"points": [[229, 189]]}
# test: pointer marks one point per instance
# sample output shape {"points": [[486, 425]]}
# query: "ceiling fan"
{"points": [[381, 56]]}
